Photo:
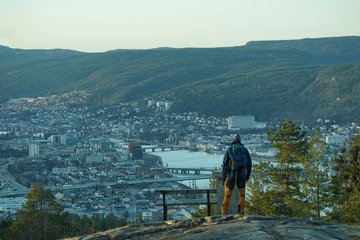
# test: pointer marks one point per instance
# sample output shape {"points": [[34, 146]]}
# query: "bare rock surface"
{"points": [[232, 227]]}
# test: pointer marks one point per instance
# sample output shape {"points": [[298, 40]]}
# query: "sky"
{"points": [[102, 25]]}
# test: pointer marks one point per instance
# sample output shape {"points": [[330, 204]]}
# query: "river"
{"points": [[189, 159]]}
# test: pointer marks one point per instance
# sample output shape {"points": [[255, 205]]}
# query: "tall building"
{"points": [[135, 150], [34, 150], [55, 138], [101, 144], [241, 122]]}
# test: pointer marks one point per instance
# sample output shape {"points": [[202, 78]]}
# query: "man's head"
{"points": [[237, 138]]}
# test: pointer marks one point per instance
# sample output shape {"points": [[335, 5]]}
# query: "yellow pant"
{"points": [[229, 187]]}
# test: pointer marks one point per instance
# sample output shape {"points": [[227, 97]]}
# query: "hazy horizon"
{"points": [[99, 26]]}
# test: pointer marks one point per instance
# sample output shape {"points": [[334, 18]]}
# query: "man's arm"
{"points": [[225, 164], [249, 165]]}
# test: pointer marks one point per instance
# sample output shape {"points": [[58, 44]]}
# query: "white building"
{"points": [[63, 139], [61, 170], [168, 104], [335, 139], [10, 205], [241, 122], [34, 150], [151, 103], [163, 104]]}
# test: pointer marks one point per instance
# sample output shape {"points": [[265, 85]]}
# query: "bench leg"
{"points": [[208, 202], [164, 207]]}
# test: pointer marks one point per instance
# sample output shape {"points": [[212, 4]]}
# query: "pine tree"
{"points": [[139, 219], [346, 183], [41, 216], [292, 148], [261, 190], [5, 225], [351, 210], [317, 178]]}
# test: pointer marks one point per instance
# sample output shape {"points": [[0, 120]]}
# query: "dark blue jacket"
{"points": [[226, 169]]}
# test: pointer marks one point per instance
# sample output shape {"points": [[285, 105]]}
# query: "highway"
{"points": [[8, 183]]}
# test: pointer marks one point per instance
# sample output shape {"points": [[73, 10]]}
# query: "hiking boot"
{"points": [[239, 211]]}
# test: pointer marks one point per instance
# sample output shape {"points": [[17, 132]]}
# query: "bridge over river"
{"points": [[161, 147], [182, 170]]}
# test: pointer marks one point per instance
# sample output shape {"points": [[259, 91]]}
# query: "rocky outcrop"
{"points": [[232, 227]]}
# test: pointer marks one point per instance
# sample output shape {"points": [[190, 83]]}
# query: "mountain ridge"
{"points": [[10, 55], [271, 80]]}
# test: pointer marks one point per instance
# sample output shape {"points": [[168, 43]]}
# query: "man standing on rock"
{"points": [[236, 170]]}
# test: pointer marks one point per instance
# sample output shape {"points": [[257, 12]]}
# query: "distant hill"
{"points": [[9, 55], [299, 79]]}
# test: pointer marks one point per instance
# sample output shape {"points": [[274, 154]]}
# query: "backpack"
{"points": [[238, 158]]}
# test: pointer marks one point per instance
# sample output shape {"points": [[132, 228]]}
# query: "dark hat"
{"points": [[236, 138]]}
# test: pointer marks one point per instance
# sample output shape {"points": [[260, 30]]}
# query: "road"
{"points": [[8, 183]]}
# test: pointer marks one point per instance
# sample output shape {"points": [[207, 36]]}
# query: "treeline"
{"points": [[43, 218], [305, 183]]}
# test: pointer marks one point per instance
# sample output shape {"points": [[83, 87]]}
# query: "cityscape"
{"points": [[104, 161]]}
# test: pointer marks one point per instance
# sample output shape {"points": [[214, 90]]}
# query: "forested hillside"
{"points": [[299, 79]]}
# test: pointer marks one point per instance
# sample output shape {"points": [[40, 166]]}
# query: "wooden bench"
{"points": [[208, 201]]}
